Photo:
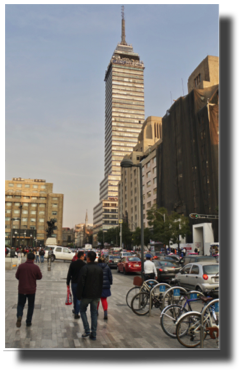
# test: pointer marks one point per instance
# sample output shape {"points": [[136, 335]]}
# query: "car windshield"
{"points": [[134, 259], [167, 264], [210, 269]]}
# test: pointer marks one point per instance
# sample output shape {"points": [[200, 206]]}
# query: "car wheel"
{"points": [[52, 258], [199, 289]]}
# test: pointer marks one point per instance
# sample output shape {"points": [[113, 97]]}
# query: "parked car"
{"points": [[113, 260], [202, 276], [124, 254], [129, 264], [166, 270], [195, 259], [60, 253]]}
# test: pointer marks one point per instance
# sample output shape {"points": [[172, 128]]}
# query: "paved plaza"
{"points": [[54, 326]]}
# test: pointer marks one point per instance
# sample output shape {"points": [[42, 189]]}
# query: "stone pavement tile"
{"points": [[77, 343]]}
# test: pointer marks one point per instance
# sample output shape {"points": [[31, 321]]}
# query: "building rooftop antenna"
{"points": [[123, 42]]}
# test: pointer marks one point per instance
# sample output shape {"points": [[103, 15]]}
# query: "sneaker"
{"points": [[92, 337], [105, 315], [28, 324], [86, 335], [76, 316], [19, 322]]}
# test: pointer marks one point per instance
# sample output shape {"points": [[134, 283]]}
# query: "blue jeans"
{"points": [[42, 259], [76, 302], [94, 314], [37, 259], [21, 303]]}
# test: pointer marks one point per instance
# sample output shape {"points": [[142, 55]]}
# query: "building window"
{"points": [[55, 199], [54, 205], [54, 213], [135, 199], [154, 170], [18, 185], [25, 204], [143, 206], [33, 212], [24, 212], [155, 191], [7, 211], [27, 186], [41, 220], [154, 160], [9, 196], [35, 187], [148, 194], [16, 212], [17, 204], [8, 204], [33, 197], [33, 204], [33, 220], [26, 197], [148, 164], [7, 218], [11, 184], [43, 187], [149, 205], [148, 183], [24, 219], [154, 181], [42, 205], [148, 174]]}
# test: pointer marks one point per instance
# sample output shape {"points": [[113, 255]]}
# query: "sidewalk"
{"points": [[54, 326]]}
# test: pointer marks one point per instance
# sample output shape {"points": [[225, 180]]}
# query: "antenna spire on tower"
{"points": [[123, 42]]}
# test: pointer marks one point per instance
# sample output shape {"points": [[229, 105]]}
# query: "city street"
{"points": [[54, 326]]}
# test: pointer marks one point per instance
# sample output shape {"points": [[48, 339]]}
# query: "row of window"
{"points": [[27, 186]]}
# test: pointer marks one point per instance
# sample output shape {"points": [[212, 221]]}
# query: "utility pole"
{"points": [[120, 222]]}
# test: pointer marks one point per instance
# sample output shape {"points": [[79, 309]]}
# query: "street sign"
{"points": [[203, 216], [120, 221]]}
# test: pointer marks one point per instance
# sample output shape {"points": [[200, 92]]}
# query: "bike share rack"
{"points": [[163, 284], [216, 328], [176, 294]]}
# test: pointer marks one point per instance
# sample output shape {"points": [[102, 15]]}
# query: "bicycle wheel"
{"points": [[188, 330], [131, 294], [169, 317], [140, 303]]}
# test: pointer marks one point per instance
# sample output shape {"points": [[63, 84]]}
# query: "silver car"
{"points": [[203, 276]]}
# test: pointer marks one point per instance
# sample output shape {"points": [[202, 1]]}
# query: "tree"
{"points": [[180, 227], [167, 227], [136, 236]]}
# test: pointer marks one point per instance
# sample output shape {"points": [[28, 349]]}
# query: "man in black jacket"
{"points": [[89, 291], [73, 276]]}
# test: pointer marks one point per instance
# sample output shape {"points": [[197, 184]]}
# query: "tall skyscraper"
{"points": [[124, 117]]}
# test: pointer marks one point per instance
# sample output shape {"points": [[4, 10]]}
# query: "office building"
{"points": [[124, 117], [29, 204], [205, 75], [129, 187]]}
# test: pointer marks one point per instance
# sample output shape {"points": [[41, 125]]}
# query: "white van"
{"points": [[59, 253]]}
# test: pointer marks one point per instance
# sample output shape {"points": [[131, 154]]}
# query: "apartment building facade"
{"points": [[29, 204], [129, 186]]}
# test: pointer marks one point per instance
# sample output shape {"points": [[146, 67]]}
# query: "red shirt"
{"points": [[27, 274]]}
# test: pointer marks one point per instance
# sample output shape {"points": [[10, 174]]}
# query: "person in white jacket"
{"points": [[149, 268]]}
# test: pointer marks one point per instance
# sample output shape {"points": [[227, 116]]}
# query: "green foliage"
{"points": [[167, 231]]}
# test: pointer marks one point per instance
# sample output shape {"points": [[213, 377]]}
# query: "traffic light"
{"points": [[194, 216]]}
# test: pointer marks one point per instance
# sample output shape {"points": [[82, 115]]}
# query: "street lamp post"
{"points": [[127, 163], [16, 238]]}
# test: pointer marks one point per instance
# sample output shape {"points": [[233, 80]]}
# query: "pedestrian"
{"points": [[19, 255], [50, 252], [37, 257], [41, 254], [89, 290], [12, 252], [107, 282], [27, 274], [149, 268], [73, 276]]}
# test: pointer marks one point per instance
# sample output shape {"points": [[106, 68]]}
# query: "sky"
{"points": [[55, 62]]}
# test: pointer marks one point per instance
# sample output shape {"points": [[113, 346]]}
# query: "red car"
{"points": [[129, 264]]}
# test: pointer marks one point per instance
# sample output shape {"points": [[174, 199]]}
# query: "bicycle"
{"points": [[146, 286], [173, 312], [140, 303], [188, 326]]}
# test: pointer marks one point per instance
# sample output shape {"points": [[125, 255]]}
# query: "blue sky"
{"points": [[55, 62]]}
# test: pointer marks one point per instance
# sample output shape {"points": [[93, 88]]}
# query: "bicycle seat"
{"points": [[206, 299]]}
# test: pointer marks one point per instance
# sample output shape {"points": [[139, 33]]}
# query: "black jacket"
{"points": [[107, 275], [90, 281], [74, 271]]}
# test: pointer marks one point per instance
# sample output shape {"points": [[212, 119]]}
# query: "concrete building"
{"points": [[105, 216], [124, 117], [129, 186], [205, 75], [67, 236], [32, 203], [188, 158]]}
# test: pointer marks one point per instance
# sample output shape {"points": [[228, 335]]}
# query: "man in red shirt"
{"points": [[27, 274]]}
